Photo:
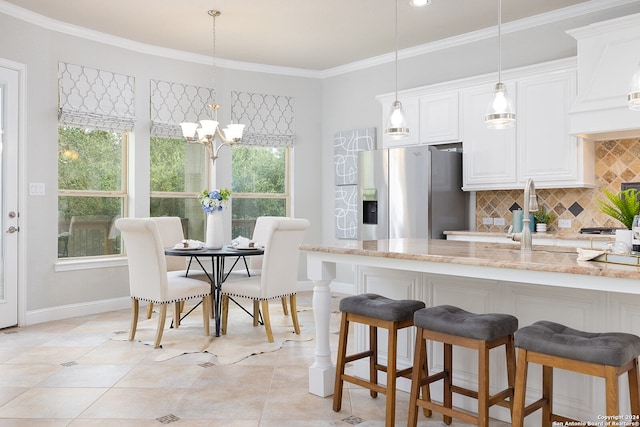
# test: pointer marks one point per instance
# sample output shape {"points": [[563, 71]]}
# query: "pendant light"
{"points": [[633, 98], [396, 124], [500, 114]]}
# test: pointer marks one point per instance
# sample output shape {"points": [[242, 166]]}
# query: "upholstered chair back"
{"points": [[170, 229], [260, 235], [147, 264], [281, 257]]}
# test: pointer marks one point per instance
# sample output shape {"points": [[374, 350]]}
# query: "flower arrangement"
{"points": [[214, 200]]}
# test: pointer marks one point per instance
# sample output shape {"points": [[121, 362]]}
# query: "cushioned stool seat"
{"points": [[375, 311], [455, 326], [552, 345]]}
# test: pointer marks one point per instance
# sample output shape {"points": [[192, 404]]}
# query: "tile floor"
{"points": [[70, 373]]}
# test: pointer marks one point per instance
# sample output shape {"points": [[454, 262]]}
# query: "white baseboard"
{"points": [[75, 310]]}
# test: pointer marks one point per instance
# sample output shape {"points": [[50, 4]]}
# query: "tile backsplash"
{"points": [[617, 161]]}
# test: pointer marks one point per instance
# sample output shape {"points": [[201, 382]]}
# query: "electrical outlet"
{"points": [[487, 221], [564, 223], [498, 221]]}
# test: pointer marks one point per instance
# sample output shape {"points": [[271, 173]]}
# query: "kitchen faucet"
{"points": [[530, 205]]}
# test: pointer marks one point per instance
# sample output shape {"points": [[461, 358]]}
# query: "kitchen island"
{"points": [[548, 283]]}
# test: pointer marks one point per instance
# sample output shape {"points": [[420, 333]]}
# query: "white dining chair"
{"points": [[278, 274], [149, 279]]}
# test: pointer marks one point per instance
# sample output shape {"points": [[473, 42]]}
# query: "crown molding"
{"points": [[509, 27]]}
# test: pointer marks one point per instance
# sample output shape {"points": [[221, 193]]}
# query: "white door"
{"points": [[9, 80]]}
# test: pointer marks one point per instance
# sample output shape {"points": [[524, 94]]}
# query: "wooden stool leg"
{"points": [[426, 391], [517, 417], [510, 351], [447, 394], [419, 356], [373, 360], [611, 386], [392, 347], [547, 395], [342, 350], [634, 391], [483, 385]]}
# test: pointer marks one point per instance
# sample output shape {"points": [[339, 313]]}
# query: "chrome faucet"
{"points": [[530, 205]]}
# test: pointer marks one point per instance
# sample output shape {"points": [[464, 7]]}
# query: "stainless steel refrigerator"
{"points": [[410, 192]]}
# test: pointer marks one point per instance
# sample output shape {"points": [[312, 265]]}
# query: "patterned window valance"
{"points": [[95, 98], [269, 118], [174, 103]]}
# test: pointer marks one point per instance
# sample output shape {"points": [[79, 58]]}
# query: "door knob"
{"points": [[12, 229]]}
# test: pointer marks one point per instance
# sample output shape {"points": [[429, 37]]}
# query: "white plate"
{"points": [[187, 249], [245, 248]]}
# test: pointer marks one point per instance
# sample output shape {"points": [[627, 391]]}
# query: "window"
{"points": [[260, 185], [178, 175], [91, 191]]}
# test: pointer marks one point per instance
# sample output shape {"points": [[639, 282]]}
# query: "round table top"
{"points": [[224, 251]]}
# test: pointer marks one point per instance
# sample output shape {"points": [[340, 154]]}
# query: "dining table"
{"points": [[217, 273]]}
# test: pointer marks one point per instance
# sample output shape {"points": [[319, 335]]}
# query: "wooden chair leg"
{"points": [[135, 304], [294, 314], [225, 314], [634, 390], [177, 309], [342, 351], [446, 393], [206, 300], [256, 312], [483, 385], [547, 395], [373, 360], [284, 306], [161, 320], [419, 355], [267, 320], [611, 386], [517, 418], [149, 310], [392, 346]]}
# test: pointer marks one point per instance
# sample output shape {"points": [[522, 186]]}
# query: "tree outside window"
{"points": [[91, 191], [260, 185]]}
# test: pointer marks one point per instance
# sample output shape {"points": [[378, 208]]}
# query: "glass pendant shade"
{"points": [[233, 131], [396, 125], [633, 98], [419, 3], [208, 127], [500, 114], [189, 130]]}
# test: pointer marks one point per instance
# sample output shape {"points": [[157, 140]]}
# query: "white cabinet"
{"points": [[488, 155], [538, 147], [439, 114], [410, 106]]}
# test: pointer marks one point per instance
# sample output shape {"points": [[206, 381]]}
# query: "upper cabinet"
{"points": [[608, 56], [432, 118], [539, 146]]}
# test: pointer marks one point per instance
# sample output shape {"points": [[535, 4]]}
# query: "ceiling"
{"points": [[305, 34]]}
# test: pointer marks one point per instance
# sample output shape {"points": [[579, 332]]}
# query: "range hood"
{"points": [[608, 56]]}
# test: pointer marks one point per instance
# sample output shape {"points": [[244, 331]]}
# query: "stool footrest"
{"points": [[534, 406], [357, 356], [565, 420], [450, 412], [364, 383], [500, 399]]}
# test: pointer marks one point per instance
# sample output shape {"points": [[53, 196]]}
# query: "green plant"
{"points": [[624, 205], [541, 216]]}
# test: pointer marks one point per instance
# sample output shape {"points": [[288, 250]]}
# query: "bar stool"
{"points": [[607, 355], [377, 312], [455, 326]]}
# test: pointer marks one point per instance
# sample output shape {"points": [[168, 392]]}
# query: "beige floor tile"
{"points": [[26, 375], [43, 354], [136, 403], [159, 375], [87, 376], [51, 403]]}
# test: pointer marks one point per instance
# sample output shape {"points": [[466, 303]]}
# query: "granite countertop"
{"points": [[497, 255]]}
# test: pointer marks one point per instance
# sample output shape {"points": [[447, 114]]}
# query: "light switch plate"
{"points": [[36, 189], [498, 221], [487, 221], [564, 223]]}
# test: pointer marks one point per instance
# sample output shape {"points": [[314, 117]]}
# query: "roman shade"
{"points": [[88, 97], [269, 118], [174, 103]]}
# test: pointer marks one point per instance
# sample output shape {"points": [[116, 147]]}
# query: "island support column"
{"points": [[323, 372]]}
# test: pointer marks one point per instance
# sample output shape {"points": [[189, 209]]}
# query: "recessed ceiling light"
{"points": [[419, 3]]}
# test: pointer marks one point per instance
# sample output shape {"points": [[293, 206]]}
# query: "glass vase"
{"points": [[215, 231]]}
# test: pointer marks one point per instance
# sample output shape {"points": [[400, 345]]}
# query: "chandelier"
{"points": [[396, 123], [209, 128]]}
